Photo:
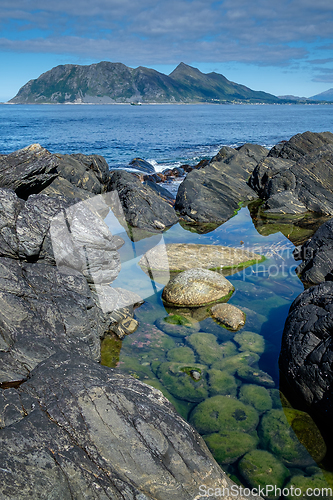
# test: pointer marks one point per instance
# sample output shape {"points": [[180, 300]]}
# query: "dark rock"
{"points": [[302, 144], [28, 171], [317, 256], [142, 208], [142, 165], [154, 178], [63, 187], [89, 431], [253, 151], [76, 169], [161, 191], [10, 206], [213, 193], [306, 359]]}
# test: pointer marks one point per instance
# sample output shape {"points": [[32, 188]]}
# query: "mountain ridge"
{"points": [[110, 83]]}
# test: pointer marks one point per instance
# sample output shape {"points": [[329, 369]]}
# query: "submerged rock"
{"points": [[255, 376], [221, 382], [197, 287], [256, 396], [207, 348], [250, 341], [227, 447], [177, 325], [177, 379], [230, 316]]}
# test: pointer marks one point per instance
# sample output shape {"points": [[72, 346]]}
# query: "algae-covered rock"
{"points": [[182, 407], [176, 377], [208, 325], [208, 349], [255, 376], [110, 351], [292, 436], [197, 287], [222, 414], [229, 316], [319, 485], [257, 396], [177, 325], [233, 363], [261, 468], [250, 341], [148, 342], [181, 354], [228, 447], [221, 383], [279, 400]]}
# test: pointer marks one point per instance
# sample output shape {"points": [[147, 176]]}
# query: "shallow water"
{"points": [[264, 292]]}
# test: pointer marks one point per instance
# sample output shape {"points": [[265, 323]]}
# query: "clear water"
{"points": [[168, 136]]}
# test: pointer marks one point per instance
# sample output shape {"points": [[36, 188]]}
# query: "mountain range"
{"points": [[107, 83]]}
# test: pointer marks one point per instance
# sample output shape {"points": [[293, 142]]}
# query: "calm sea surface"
{"points": [[169, 135]]}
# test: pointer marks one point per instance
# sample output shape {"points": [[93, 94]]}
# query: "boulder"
{"points": [[302, 144], [178, 379], [317, 256], [89, 432], [197, 287], [223, 383], [214, 192], [90, 173], [257, 396], [28, 170], [306, 356], [208, 349], [229, 316], [142, 207], [177, 325], [142, 165], [227, 447], [250, 341]]}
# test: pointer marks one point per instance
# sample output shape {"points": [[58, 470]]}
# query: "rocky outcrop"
{"points": [[296, 177], [214, 192], [306, 359], [317, 256]]}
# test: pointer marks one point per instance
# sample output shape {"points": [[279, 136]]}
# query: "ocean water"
{"points": [[169, 136], [166, 135]]}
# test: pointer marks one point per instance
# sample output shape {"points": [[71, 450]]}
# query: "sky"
{"points": [[282, 47]]}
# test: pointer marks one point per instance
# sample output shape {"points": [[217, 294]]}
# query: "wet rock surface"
{"points": [[230, 316]]}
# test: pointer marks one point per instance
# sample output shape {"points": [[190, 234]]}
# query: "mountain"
{"points": [[324, 96], [107, 83]]}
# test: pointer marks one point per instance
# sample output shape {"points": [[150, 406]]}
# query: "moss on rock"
{"points": [[317, 483], [223, 413], [255, 376], [230, 446], [220, 382], [233, 363], [177, 325], [257, 396], [110, 351], [249, 341], [178, 381], [208, 349], [181, 354]]}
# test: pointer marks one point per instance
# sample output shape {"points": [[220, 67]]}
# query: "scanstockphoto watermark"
{"points": [[269, 490]]}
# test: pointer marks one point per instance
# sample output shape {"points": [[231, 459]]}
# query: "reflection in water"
{"points": [[227, 383]]}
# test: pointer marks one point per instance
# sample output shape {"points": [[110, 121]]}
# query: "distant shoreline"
{"points": [[296, 103]]}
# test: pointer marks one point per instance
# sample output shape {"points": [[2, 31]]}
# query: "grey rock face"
{"points": [[317, 256], [306, 358], [142, 207], [89, 432], [28, 170], [296, 177], [213, 193]]}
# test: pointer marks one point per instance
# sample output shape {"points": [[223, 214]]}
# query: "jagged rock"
{"points": [[317, 256], [63, 187], [297, 177], [197, 287], [254, 151], [28, 170], [306, 357], [89, 432], [143, 209], [161, 191], [230, 316], [10, 206], [142, 165], [213, 193]]}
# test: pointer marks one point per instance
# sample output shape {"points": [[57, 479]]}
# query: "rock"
{"points": [[221, 383], [213, 193], [307, 350], [302, 144], [90, 173], [62, 187], [208, 349], [177, 325], [161, 191], [28, 170], [91, 432], [181, 354], [317, 256], [177, 379], [250, 341], [257, 396], [233, 364], [292, 436], [255, 376], [142, 208], [223, 414], [176, 257], [10, 207], [253, 151], [110, 351], [197, 287], [260, 468], [319, 482], [142, 165], [297, 178], [230, 316], [227, 447]]}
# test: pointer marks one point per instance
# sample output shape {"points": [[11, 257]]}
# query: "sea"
{"points": [[169, 136]]}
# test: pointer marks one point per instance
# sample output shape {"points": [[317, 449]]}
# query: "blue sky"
{"points": [[283, 47]]}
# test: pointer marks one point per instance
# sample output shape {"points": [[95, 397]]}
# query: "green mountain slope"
{"points": [[108, 82]]}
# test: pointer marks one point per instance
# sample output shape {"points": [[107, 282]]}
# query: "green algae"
{"points": [[177, 325], [232, 364], [257, 396], [110, 351], [250, 341], [178, 381], [181, 354], [220, 382], [208, 349], [228, 447]]}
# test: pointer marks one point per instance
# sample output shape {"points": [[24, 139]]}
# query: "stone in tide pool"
{"points": [[197, 287], [230, 316]]}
